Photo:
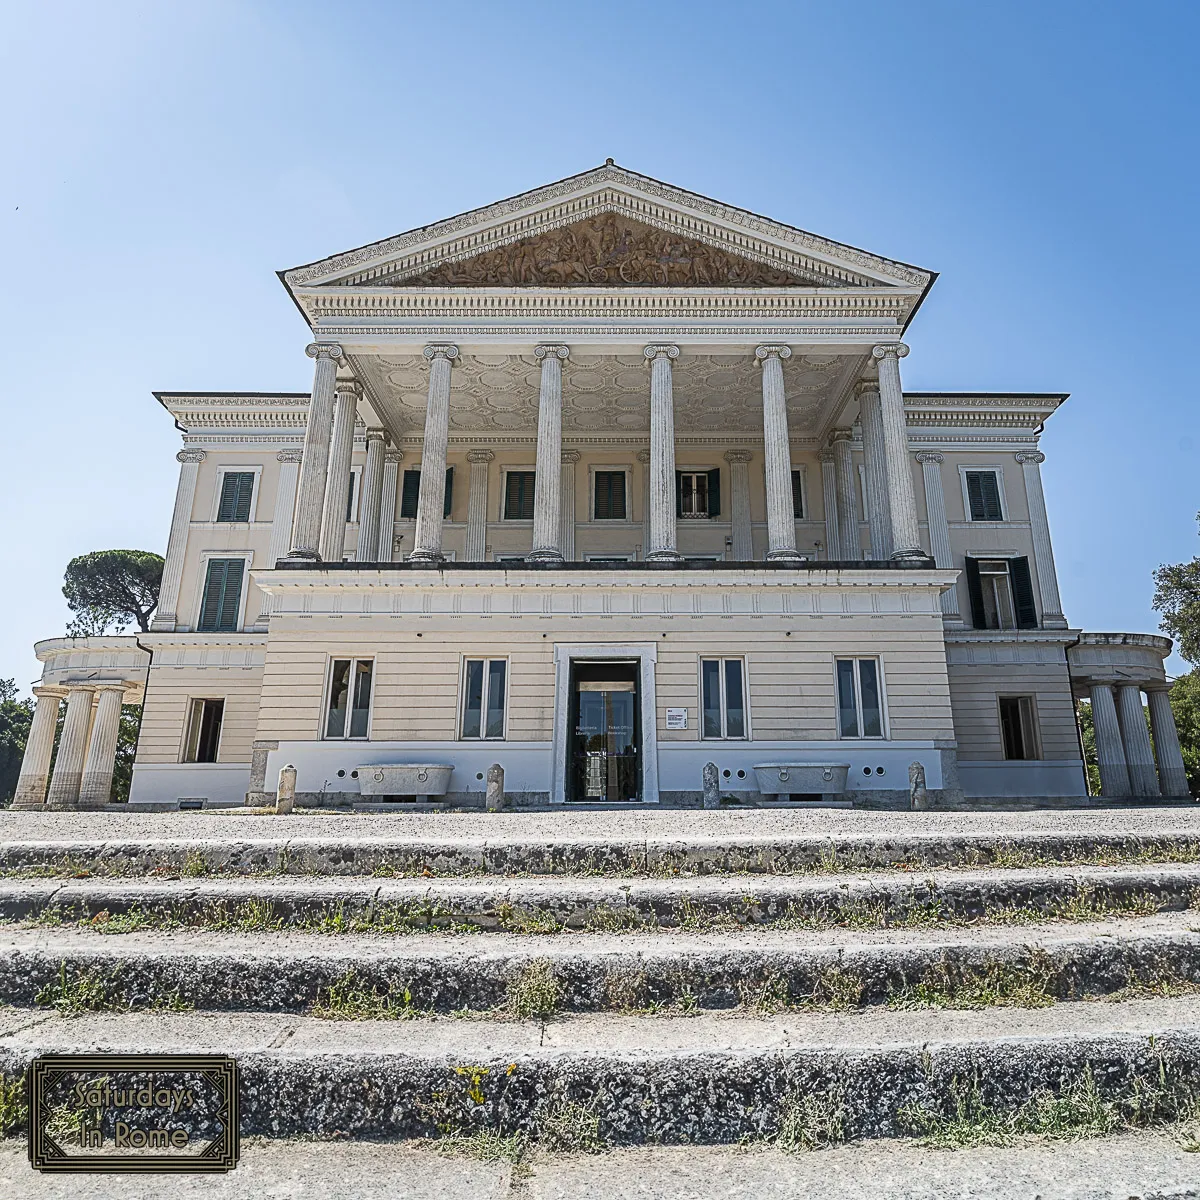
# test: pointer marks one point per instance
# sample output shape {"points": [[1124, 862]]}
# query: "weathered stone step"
{"points": [[554, 903], [706, 1078], [766, 969], [718, 852]]}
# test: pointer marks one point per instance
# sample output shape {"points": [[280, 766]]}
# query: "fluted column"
{"points": [[39, 746], [387, 505], [879, 514], [567, 504], [777, 455], [643, 456], [431, 499], [95, 788], [314, 463], [281, 523], [739, 504], [939, 528], [902, 499], [72, 745], [1135, 736], [829, 497], [1110, 751], [475, 548], [847, 499], [372, 493], [663, 540], [181, 518], [1043, 552], [1172, 773], [337, 486], [547, 479]]}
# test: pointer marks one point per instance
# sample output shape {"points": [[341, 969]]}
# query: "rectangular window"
{"points": [[1001, 592], [410, 491], [1018, 729], [860, 708], [983, 496], [693, 494], [723, 698], [798, 494], [222, 595], [483, 697], [518, 495], [349, 712], [204, 731], [610, 496], [237, 490]]}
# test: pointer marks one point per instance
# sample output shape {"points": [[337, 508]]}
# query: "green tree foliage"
{"points": [[108, 590], [15, 718], [1177, 598], [1185, 704], [127, 737], [1087, 730]]}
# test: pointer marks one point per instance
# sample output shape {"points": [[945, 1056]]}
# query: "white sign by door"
{"points": [[677, 718]]}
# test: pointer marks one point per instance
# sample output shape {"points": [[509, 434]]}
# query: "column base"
{"points": [[27, 806], [427, 556], [663, 556], [551, 556], [784, 556], [303, 555], [163, 623], [1054, 621], [917, 555]]}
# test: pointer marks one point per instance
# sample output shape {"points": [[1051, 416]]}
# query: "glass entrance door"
{"points": [[605, 751]]}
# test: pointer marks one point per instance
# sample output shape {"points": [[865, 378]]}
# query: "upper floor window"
{"points": [[860, 704], [798, 494], [348, 713], [221, 601], [237, 491], [483, 697], [1001, 592], [698, 493], [723, 697], [1018, 727], [983, 496], [610, 496], [518, 495], [410, 492], [203, 740]]}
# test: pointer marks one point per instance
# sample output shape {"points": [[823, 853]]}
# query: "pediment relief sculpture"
{"points": [[613, 251]]}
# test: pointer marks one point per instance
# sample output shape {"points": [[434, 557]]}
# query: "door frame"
{"points": [[646, 655]]}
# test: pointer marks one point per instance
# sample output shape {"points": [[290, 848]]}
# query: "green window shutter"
{"points": [[678, 494], [518, 495], [983, 496], [350, 500], [798, 494], [1024, 608], [448, 504], [237, 490], [222, 595], [610, 496], [408, 496], [975, 591], [714, 492]]}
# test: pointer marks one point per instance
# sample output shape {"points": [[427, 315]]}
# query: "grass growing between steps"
{"points": [[13, 1110], [75, 993]]}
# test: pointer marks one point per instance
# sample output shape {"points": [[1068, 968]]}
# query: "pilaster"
{"points": [[739, 504], [879, 516], [939, 528], [475, 549], [372, 494], [181, 518], [847, 500], [387, 505], [829, 497], [281, 524], [567, 504], [1043, 552]]}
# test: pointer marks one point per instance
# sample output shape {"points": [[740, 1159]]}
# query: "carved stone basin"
{"points": [[405, 779], [796, 778]]}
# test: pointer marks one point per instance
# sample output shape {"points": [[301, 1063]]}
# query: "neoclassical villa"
{"points": [[603, 483]]}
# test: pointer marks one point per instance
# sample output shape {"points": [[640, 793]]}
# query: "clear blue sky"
{"points": [[163, 160]]}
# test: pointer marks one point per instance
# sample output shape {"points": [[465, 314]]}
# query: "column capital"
{"points": [[762, 353], [571, 457], [659, 350], [325, 350], [551, 350], [109, 687], [738, 456], [930, 456], [893, 349], [841, 435], [375, 434], [825, 456], [441, 350], [351, 386], [1030, 456], [53, 693], [643, 456], [196, 456], [289, 456], [480, 456], [867, 387], [392, 456]]}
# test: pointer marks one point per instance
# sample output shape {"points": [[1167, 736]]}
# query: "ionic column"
{"points": [[547, 479], [72, 745], [95, 788], [372, 494], [829, 495], [1043, 552], [567, 504], [1172, 774], [739, 504], [314, 463], [281, 523], [431, 499], [902, 499], [663, 541], [777, 455], [939, 528], [643, 456], [476, 541], [337, 485], [847, 501], [1135, 736], [181, 518], [1110, 751], [879, 515], [39, 746], [387, 505]]}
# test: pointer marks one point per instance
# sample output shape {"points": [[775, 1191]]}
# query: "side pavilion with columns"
{"points": [[602, 483]]}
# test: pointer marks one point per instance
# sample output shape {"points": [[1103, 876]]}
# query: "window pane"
{"points": [[847, 707], [701, 493], [495, 698], [473, 699], [872, 717], [798, 494], [710, 679], [1010, 727], [687, 494], [212, 712], [339, 696], [735, 711], [361, 711]]}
